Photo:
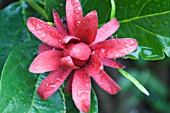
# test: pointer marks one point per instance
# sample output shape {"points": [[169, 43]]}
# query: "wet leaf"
{"points": [[18, 85], [147, 21], [134, 81]]}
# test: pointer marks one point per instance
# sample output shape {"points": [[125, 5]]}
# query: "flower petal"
{"points": [[46, 61], [115, 48], [67, 62], [94, 66], [80, 51], [45, 32], [52, 82], [59, 25], [79, 63], [106, 82], [74, 15], [67, 39], [68, 88], [112, 63], [81, 89], [43, 47], [106, 30], [88, 27]]}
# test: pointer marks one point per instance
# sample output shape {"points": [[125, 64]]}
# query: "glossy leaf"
{"points": [[147, 21], [12, 32], [134, 81], [18, 85], [103, 8], [58, 5]]}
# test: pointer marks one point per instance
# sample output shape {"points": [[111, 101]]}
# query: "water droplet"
{"points": [[76, 23], [80, 92], [39, 26], [103, 79], [60, 35], [85, 108], [154, 24], [59, 79], [77, 9], [103, 50], [53, 34], [50, 86], [61, 5]]}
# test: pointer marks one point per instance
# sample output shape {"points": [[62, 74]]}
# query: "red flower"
{"points": [[81, 51]]}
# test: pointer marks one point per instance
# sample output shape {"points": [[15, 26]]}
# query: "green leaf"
{"points": [[147, 21], [12, 32], [134, 81], [71, 108], [58, 5], [103, 8], [18, 85], [113, 11]]}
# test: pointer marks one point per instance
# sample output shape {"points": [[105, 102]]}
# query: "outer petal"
{"points": [[81, 89], [45, 32], [88, 27], [59, 25], [47, 61], [74, 15], [112, 63], [80, 51], [68, 87], [94, 66], [43, 47], [115, 48], [106, 30], [52, 82], [67, 62], [106, 82]]}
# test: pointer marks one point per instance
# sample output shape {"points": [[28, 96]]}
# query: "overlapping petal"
{"points": [[59, 25], [68, 39], [107, 30], [94, 66], [81, 89], [115, 48], [80, 51], [74, 15], [68, 87], [45, 32], [46, 61], [111, 63], [67, 62], [106, 82], [52, 82], [43, 47], [88, 27]]}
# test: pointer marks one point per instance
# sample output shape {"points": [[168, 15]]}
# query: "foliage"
{"points": [[146, 20]]}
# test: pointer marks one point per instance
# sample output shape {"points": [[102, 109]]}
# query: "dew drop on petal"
{"points": [[77, 9], [80, 92], [103, 79], [85, 108], [50, 86]]}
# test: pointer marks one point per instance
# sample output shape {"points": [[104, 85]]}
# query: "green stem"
{"points": [[37, 8]]}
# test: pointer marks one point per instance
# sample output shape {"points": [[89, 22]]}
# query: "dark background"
{"points": [[154, 75]]}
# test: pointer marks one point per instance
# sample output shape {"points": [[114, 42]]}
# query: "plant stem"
{"points": [[37, 8]]}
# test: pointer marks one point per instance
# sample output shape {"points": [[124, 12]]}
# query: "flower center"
{"points": [[79, 52]]}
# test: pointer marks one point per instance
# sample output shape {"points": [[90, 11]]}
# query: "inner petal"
{"points": [[79, 51]]}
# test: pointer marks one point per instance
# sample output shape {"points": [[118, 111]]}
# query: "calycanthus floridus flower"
{"points": [[77, 53]]}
